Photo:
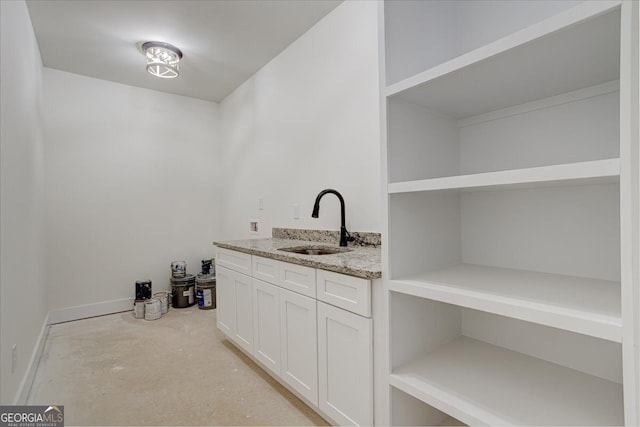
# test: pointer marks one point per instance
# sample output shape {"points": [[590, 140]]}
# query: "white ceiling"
{"points": [[224, 42]]}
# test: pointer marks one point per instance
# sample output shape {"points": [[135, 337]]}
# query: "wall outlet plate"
{"points": [[253, 226]]}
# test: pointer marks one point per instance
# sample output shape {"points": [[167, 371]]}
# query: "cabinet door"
{"points": [[243, 332], [225, 301], [266, 325], [299, 343], [345, 366]]}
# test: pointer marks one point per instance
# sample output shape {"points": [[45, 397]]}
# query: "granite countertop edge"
{"points": [[363, 262]]}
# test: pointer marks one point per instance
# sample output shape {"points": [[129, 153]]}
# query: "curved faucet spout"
{"points": [[344, 234]]}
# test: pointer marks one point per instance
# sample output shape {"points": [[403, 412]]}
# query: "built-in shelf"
{"points": [[586, 306], [508, 211], [533, 63], [598, 171], [483, 384]]}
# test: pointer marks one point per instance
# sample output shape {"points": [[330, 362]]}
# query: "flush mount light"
{"points": [[162, 59]]}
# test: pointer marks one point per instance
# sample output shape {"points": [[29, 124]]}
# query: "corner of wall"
{"points": [[23, 300]]}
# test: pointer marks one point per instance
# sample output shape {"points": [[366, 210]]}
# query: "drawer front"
{"points": [[297, 278], [265, 269], [348, 292], [234, 260]]}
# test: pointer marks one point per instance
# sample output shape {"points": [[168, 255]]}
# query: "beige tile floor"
{"points": [[177, 370]]}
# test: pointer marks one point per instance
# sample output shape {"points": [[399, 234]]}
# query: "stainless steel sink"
{"points": [[315, 250]]}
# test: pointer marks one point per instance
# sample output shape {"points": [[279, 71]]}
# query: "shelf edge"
{"points": [[543, 174]]}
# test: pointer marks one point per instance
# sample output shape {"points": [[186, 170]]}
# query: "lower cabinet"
{"points": [[235, 300], [321, 351], [284, 326], [345, 365]]}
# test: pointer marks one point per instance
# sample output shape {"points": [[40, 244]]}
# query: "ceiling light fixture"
{"points": [[162, 59]]}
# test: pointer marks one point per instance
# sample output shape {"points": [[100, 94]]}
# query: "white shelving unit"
{"points": [[508, 135]]}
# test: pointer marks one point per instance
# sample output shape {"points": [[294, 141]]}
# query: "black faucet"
{"points": [[344, 234]]}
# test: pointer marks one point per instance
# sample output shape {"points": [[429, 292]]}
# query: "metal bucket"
{"points": [[206, 291], [143, 289], [138, 309], [183, 291], [164, 301], [152, 309], [208, 267], [178, 269]]}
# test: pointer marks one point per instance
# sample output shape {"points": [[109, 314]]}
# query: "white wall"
{"points": [[23, 299], [130, 179], [307, 121]]}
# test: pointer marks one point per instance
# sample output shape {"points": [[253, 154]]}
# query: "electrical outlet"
{"points": [[253, 227], [14, 358]]}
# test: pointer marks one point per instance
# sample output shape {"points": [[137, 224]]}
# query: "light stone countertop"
{"points": [[361, 261]]}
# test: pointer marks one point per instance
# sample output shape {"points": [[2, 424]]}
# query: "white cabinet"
{"points": [[509, 203], [299, 346], [276, 326], [285, 337], [285, 323], [323, 352], [235, 318], [345, 366], [266, 325]]}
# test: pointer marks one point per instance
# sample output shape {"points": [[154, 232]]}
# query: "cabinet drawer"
{"points": [[348, 292], [234, 260], [297, 278], [265, 269]]}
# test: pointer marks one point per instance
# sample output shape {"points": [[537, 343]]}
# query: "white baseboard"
{"points": [[24, 389], [90, 310]]}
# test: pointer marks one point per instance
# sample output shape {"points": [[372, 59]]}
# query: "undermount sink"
{"points": [[315, 250]]}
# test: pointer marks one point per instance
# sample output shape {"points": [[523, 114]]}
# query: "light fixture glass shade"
{"points": [[162, 59]]}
